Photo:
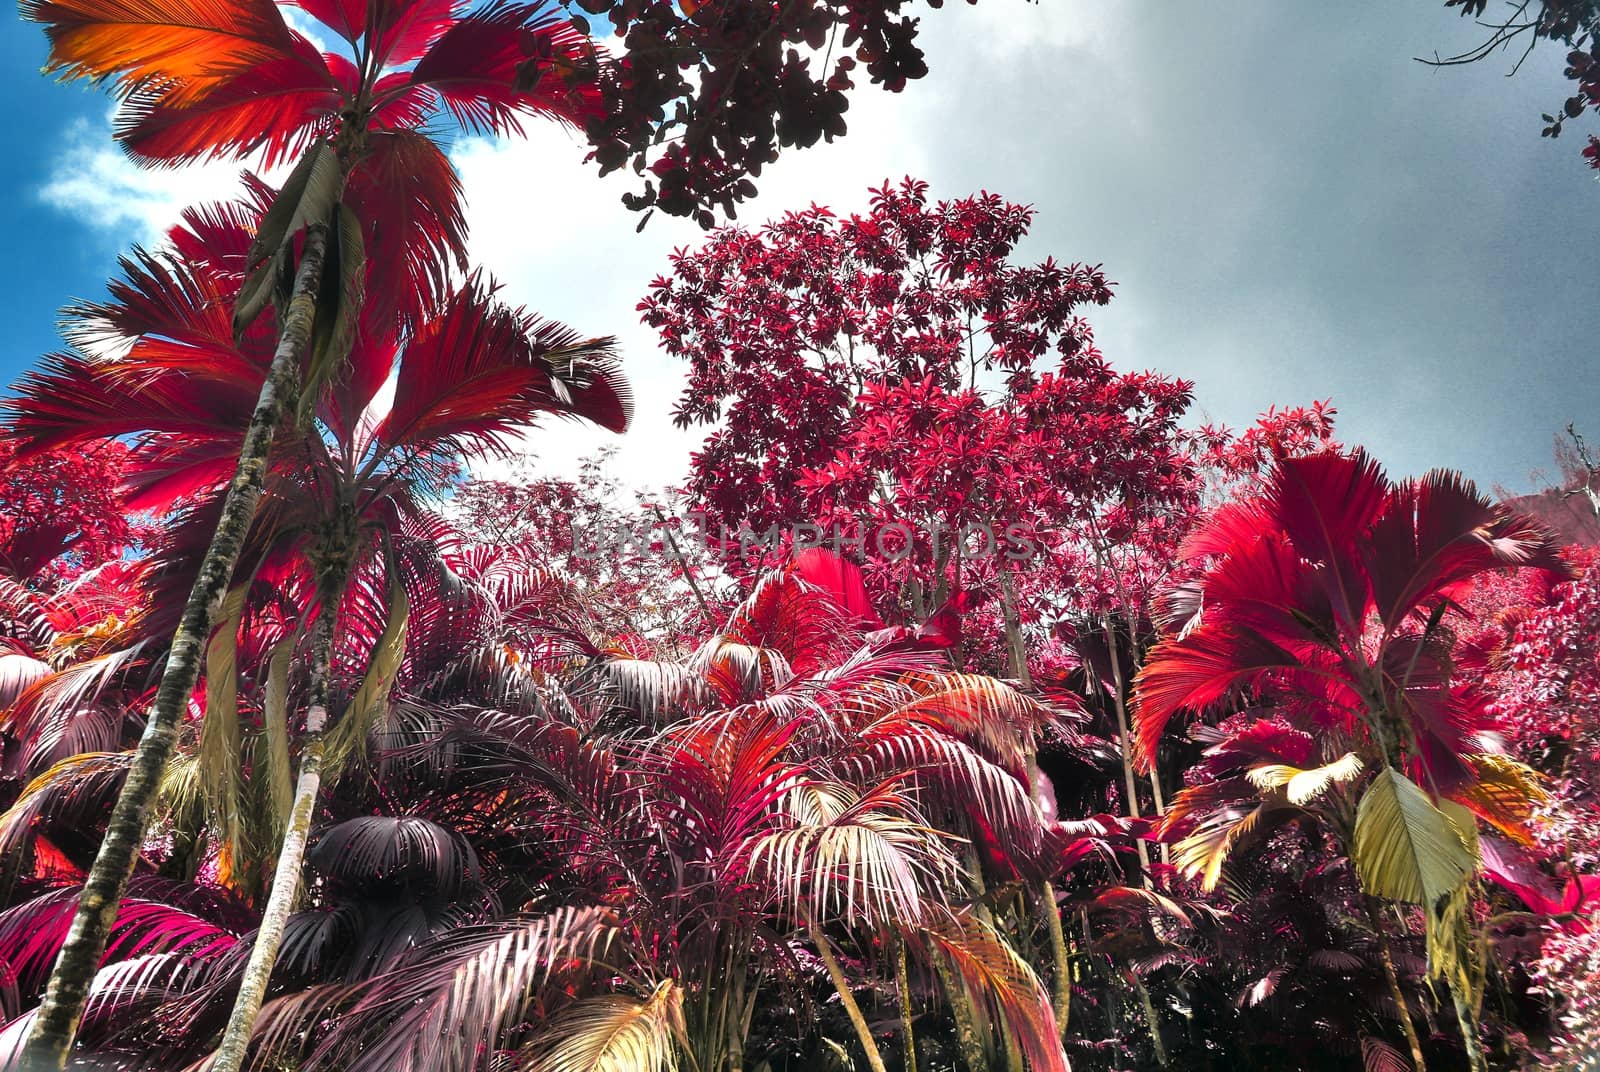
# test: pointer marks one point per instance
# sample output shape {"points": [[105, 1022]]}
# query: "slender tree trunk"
{"points": [[1395, 990], [908, 1040], [1122, 722], [1130, 783], [1469, 1027], [56, 1024], [1061, 993], [291, 855], [1016, 645], [969, 1041], [846, 998], [1151, 1019]]}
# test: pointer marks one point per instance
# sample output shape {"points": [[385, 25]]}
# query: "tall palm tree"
{"points": [[1331, 589], [339, 486], [199, 79]]}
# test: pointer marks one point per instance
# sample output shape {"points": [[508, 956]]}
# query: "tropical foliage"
{"points": [[969, 707]]}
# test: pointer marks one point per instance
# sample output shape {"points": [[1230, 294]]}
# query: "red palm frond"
{"points": [[1268, 588], [789, 615], [281, 107], [1325, 503], [72, 399], [403, 30], [408, 197], [956, 781], [31, 934], [831, 572], [720, 780], [347, 18], [1438, 532], [190, 45], [1195, 672], [473, 68], [1270, 740], [217, 235], [480, 372]]}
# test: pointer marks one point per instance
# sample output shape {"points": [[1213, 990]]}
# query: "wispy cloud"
{"points": [[92, 180]]}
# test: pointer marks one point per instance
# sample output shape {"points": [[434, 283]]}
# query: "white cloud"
{"points": [[561, 243], [93, 181], [1280, 228]]}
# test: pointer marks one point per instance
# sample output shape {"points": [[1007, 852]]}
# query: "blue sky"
{"points": [[1292, 207], [50, 256]]}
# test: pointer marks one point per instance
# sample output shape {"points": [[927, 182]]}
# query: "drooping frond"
{"points": [[32, 933], [455, 1000], [1206, 822], [1001, 721], [873, 863], [650, 687], [374, 853], [1405, 847], [1504, 793], [76, 793], [481, 371], [1304, 786], [1193, 673], [281, 107], [407, 182], [613, 1033], [995, 978]]}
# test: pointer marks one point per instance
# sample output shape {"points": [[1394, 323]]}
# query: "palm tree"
{"points": [[1331, 589], [626, 858], [197, 79], [340, 487]]}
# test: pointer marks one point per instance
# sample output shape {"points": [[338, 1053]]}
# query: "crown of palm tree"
{"points": [[205, 79]]}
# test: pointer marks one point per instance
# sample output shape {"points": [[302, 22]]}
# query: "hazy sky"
{"points": [[1293, 208]]}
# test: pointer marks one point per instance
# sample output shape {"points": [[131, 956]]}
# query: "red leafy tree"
{"points": [[61, 503], [893, 378], [1538, 648]]}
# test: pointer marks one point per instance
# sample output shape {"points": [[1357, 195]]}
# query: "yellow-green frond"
{"points": [[1406, 848], [613, 1033]]}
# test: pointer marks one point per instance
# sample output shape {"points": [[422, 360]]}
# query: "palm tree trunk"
{"points": [[1061, 993], [1125, 740], [969, 1041], [56, 1024], [291, 856], [846, 998], [1393, 977], [908, 1040], [1151, 1019], [1469, 1027]]}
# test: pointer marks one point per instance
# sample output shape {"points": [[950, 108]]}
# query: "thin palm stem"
{"points": [[291, 856], [56, 1024], [846, 998]]}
